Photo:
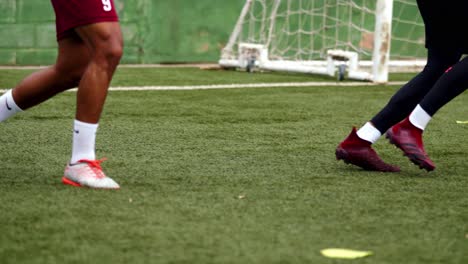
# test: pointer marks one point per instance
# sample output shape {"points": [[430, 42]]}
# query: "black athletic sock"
{"points": [[450, 85], [406, 99]]}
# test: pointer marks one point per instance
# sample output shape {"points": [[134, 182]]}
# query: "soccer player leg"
{"points": [[105, 43], [405, 100], [104, 40], [73, 56], [407, 135], [450, 85], [356, 148]]}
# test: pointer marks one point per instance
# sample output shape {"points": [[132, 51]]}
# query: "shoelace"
{"points": [[95, 166]]}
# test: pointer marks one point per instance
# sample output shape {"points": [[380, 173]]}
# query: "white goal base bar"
{"points": [[338, 63]]}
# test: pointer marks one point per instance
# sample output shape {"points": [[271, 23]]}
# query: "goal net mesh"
{"points": [[303, 30]]}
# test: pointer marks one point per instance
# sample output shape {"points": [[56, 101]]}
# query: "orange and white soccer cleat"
{"points": [[88, 173]]}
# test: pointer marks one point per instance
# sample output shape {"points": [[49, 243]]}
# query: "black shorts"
{"points": [[446, 23]]}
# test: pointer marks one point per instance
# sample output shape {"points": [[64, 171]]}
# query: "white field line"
{"points": [[244, 85]]}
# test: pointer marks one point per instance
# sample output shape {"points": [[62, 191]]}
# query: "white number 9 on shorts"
{"points": [[107, 5]]}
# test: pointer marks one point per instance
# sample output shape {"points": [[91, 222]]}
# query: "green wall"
{"points": [[155, 31]]}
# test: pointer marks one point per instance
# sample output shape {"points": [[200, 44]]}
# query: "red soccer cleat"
{"points": [[359, 152], [408, 138]]}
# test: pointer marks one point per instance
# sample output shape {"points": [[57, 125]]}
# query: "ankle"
{"points": [[353, 140], [409, 125]]}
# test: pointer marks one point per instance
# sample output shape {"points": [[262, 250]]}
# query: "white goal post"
{"points": [[359, 39]]}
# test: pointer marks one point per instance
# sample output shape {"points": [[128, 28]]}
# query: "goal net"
{"points": [[357, 39]]}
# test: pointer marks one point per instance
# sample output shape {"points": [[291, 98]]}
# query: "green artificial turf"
{"points": [[228, 176]]}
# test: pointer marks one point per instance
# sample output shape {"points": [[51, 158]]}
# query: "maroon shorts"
{"points": [[70, 14]]}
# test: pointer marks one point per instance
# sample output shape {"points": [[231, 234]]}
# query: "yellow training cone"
{"points": [[344, 253]]}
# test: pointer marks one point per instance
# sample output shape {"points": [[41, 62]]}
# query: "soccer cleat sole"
{"points": [[70, 182], [414, 158], [67, 181]]}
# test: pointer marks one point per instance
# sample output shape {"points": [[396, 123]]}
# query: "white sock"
{"points": [[369, 133], [84, 139], [419, 118], [8, 106]]}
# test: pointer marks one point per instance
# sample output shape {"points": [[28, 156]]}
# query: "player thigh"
{"points": [[95, 21], [103, 38]]}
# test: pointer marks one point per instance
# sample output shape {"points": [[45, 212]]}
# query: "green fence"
{"points": [[155, 31]]}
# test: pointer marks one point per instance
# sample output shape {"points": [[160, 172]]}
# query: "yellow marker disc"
{"points": [[344, 253]]}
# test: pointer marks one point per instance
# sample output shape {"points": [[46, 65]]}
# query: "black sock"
{"points": [[406, 99], [450, 85]]}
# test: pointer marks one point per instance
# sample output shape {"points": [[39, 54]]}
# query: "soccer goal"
{"points": [[355, 39]]}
